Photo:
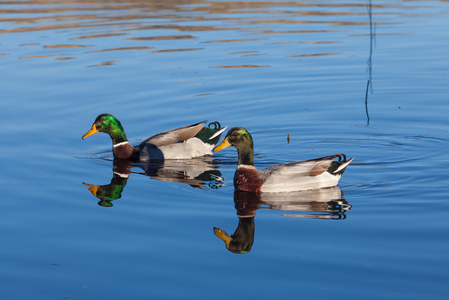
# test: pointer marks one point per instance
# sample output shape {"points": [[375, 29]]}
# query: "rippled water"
{"points": [[306, 78]]}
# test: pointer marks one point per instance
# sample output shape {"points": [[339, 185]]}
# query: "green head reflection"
{"points": [[243, 238], [109, 192]]}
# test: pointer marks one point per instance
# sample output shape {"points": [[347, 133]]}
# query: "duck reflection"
{"points": [[320, 204], [198, 173]]}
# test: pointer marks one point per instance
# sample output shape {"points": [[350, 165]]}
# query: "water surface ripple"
{"points": [[306, 78]]}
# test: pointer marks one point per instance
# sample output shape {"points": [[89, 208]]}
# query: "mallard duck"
{"points": [[310, 174], [181, 143]]}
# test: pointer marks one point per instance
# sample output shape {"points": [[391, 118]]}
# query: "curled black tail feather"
{"points": [[216, 125], [207, 132]]}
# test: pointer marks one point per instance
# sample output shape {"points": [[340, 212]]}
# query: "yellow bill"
{"points": [[92, 131], [223, 236], [223, 145], [92, 188]]}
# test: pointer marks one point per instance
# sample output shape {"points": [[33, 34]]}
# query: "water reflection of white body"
{"points": [[194, 172], [198, 173], [322, 203]]}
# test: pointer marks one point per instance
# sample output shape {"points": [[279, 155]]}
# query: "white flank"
{"points": [[277, 183], [191, 148], [289, 178]]}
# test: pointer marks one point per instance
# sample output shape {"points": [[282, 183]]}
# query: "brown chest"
{"points": [[247, 179], [124, 151]]}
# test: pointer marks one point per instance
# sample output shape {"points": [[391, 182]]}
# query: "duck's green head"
{"points": [[109, 124], [238, 137]]}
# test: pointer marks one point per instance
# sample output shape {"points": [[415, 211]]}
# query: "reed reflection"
{"points": [[198, 173], [314, 204], [369, 83]]}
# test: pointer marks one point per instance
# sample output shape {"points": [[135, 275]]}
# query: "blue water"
{"points": [[366, 78]]}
